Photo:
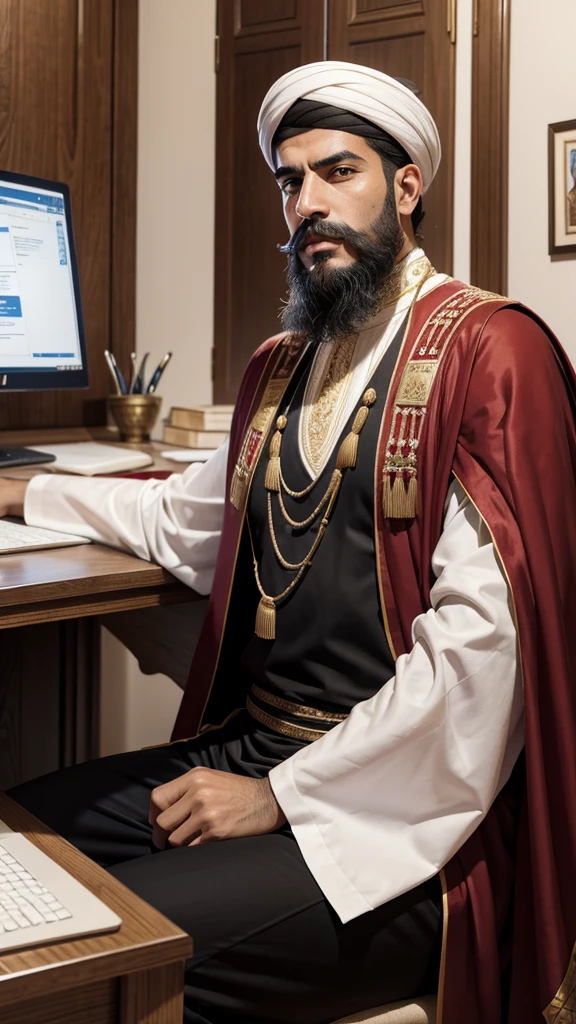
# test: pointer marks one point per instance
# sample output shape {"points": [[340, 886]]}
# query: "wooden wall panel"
{"points": [[59, 62], [490, 100], [124, 170], [409, 39], [259, 41]]}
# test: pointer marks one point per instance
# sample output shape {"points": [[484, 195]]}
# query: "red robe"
{"points": [[501, 419]]}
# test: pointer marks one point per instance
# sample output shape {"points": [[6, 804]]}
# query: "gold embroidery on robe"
{"points": [[562, 1009], [329, 381], [325, 396]]}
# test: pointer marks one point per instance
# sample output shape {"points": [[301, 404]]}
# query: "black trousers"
{"points": [[267, 945]]}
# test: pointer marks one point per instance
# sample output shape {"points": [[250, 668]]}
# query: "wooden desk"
{"points": [[133, 976], [50, 638]]}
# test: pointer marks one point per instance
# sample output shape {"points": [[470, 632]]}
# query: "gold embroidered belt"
{"points": [[290, 719]]}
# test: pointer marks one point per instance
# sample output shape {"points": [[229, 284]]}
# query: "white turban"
{"points": [[371, 94]]}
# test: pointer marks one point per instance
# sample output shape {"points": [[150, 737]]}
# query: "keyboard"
{"points": [[40, 902], [24, 902], [16, 536]]}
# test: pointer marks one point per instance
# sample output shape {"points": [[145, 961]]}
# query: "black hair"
{"points": [[390, 166]]}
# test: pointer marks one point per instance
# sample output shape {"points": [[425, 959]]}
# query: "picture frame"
{"points": [[562, 188]]}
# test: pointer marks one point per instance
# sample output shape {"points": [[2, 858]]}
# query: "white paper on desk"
{"points": [[89, 458], [189, 454]]}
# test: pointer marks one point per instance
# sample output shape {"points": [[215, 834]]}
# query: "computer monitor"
{"points": [[42, 341]]}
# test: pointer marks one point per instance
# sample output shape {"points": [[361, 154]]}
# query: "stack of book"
{"points": [[202, 426]]}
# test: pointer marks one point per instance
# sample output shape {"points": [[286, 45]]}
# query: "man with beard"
{"points": [[388, 625]]}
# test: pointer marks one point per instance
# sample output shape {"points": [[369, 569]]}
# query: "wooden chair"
{"points": [[417, 1011]]}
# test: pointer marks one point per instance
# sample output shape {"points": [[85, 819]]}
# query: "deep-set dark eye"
{"points": [[343, 172], [291, 186]]}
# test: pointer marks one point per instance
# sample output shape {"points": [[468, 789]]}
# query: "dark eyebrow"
{"points": [[327, 161]]}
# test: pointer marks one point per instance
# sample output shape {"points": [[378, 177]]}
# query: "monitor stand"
{"points": [[22, 457]]}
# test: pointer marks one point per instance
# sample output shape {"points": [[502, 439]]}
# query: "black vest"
{"points": [[330, 649]]}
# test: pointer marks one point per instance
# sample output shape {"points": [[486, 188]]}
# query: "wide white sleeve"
{"points": [[382, 802], [175, 522]]}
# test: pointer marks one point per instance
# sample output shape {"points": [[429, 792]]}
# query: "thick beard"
{"points": [[328, 304]]}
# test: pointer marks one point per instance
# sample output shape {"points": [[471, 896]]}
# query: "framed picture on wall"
{"points": [[562, 188]]}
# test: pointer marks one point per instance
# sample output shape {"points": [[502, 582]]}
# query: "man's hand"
{"points": [[12, 496], [206, 805]]}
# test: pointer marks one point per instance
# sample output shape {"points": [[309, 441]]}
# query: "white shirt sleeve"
{"points": [[175, 522], [382, 802]]}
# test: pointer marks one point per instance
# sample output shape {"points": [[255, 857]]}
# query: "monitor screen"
{"points": [[42, 342]]}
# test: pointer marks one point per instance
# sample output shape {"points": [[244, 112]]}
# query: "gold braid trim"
{"points": [[284, 359], [297, 732], [296, 709]]}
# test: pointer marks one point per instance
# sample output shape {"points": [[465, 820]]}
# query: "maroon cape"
{"points": [[501, 418]]}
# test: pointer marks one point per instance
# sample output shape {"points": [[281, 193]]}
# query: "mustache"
{"points": [[317, 229]]}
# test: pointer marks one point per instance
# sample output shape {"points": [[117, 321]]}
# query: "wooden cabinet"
{"points": [[68, 108], [409, 39], [259, 40]]}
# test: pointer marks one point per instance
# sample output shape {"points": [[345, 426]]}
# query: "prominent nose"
{"points": [[313, 200]]}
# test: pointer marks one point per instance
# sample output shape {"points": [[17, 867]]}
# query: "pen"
{"points": [[119, 374], [158, 373], [132, 373], [109, 359], [138, 385]]}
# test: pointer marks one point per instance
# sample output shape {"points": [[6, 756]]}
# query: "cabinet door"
{"points": [[259, 40], [409, 39]]}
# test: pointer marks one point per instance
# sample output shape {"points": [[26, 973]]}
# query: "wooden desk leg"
{"points": [[153, 997]]}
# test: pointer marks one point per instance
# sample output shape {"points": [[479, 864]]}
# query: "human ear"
{"points": [[408, 188]]}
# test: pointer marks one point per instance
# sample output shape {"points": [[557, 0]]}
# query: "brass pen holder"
{"points": [[134, 415]]}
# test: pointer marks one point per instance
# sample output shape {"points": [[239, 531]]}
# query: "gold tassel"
{"points": [[412, 496], [360, 419], [272, 478], [348, 452], [265, 626], [237, 490], [387, 496], [399, 502]]}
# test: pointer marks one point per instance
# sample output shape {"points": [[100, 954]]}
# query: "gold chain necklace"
{"points": [[265, 625]]}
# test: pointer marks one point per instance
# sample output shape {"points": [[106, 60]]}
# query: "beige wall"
{"points": [[175, 247], [542, 91], [174, 284]]}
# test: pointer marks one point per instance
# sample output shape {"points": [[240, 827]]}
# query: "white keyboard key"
{"points": [[33, 916], [49, 916], [62, 915], [20, 920], [36, 902]]}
